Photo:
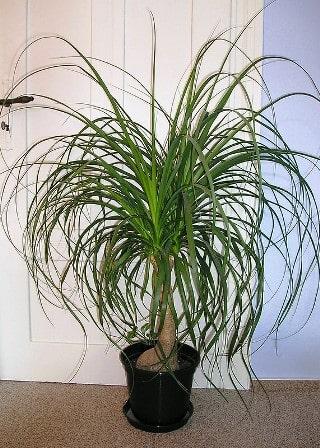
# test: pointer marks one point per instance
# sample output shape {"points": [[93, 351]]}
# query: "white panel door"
{"points": [[32, 348]]}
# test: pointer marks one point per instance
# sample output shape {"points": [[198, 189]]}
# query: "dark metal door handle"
{"points": [[7, 102]]}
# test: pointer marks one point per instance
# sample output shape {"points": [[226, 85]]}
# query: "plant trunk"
{"points": [[163, 356]]}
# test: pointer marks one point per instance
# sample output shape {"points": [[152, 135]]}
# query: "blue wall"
{"points": [[292, 29]]}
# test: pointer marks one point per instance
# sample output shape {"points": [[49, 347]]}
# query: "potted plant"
{"points": [[172, 259]]}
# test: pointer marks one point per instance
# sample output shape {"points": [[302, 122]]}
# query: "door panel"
{"points": [[119, 31]]}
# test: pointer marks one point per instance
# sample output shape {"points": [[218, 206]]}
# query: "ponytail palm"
{"points": [[166, 239]]}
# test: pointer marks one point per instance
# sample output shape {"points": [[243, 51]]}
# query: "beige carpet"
{"points": [[67, 415]]}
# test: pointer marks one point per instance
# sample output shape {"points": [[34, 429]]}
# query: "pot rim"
{"points": [[194, 360]]}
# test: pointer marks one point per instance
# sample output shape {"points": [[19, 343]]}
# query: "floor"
{"points": [[49, 415]]}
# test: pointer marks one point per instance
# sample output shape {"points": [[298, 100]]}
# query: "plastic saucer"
{"points": [[134, 421]]}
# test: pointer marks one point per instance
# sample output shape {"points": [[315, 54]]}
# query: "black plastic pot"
{"points": [[159, 401]]}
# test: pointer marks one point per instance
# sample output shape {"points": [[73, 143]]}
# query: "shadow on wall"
{"points": [[291, 28]]}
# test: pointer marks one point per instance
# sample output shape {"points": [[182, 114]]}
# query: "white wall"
{"points": [[291, 28]]}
